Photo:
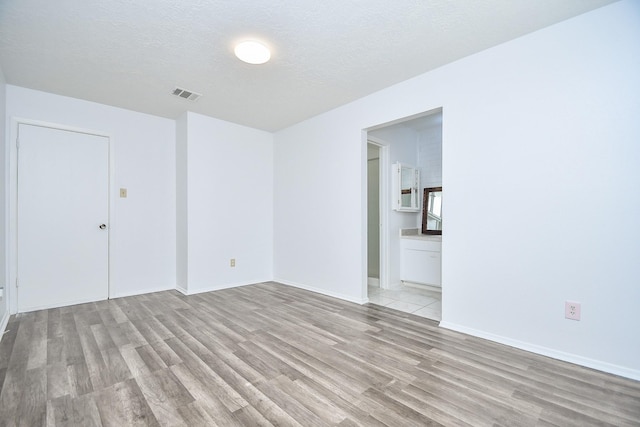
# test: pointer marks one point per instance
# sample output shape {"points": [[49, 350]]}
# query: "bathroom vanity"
{"points": [[420, 259]]}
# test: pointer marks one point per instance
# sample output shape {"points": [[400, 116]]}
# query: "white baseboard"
{"points": [[217, 287], [373, 281], [610, 368], [323, 292], [145, 291], [61, 304], [433, 288]]}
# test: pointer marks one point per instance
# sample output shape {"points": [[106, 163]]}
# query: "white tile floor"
{"points": [[410, 299]]}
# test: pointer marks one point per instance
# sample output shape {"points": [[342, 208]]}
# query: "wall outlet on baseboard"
{"points": [[232, 262], [572, 310]]}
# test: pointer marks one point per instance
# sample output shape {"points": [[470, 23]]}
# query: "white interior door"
{"points": [[63, 201]]}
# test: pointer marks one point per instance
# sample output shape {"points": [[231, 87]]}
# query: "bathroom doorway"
{"points": [[408, 283]]}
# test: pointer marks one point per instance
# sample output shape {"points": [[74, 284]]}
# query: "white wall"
{"points": [[229, 203], [143, 239], [182, 208], [430, 156], [318, 227], [4, 302], [549, 123]]}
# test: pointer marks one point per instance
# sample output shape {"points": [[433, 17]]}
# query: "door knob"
{"points": [[103, 226]]}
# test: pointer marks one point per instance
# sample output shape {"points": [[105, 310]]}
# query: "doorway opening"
{"points": [[408, 261]]}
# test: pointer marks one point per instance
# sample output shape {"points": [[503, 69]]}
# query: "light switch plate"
{"points": [[123, 193]]}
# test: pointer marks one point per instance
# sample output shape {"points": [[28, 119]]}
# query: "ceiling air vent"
{"points": [[186, 94]]}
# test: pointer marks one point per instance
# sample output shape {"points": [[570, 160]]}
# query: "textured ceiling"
{"points": [[132, 54]]}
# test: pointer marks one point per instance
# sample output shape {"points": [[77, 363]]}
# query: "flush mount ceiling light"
{"points": [[252, 52]]}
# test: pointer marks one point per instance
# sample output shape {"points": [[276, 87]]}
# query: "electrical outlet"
{"points": [[572, 310], [123, 193], [232, 262]]}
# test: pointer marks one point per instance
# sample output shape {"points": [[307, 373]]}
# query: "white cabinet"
{"points": [[406, 182], [420, 261]]}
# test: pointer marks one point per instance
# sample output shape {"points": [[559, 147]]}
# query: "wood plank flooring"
{"points": [[269, 354]]}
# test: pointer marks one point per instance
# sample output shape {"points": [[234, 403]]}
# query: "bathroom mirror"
{"points": [[432, 211]]}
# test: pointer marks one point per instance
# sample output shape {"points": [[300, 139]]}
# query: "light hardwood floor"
{"points": [[268, 354]]}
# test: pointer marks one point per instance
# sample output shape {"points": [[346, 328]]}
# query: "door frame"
{"points": [[384, 212], [12, 203]]}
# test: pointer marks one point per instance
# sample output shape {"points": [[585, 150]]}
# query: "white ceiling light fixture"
{"points": [[252, 52]]}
